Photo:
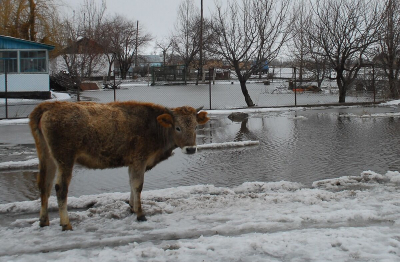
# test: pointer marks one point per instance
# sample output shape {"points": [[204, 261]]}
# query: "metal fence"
{"points": [[281, 91]]}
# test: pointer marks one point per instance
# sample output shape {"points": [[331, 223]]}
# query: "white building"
{"points": [[24, 68], [86, 57]]}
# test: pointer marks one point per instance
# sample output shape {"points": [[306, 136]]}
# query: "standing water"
{"points": [[299, 146]]}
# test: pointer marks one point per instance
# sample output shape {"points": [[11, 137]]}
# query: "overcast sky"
{"points": [[157, 16]]}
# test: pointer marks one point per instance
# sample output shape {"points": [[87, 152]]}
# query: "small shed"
{"points": [[24, 68]]}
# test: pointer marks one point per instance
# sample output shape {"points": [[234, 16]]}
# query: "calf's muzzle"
{"points": [[189, 149]]}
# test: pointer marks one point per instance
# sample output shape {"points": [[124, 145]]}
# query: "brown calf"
{"points": [[133, 134]]}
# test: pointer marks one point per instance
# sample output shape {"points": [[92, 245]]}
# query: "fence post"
{"points": [[214, 75], [148, 75], [294, 86], [6, 85], [209, 91], [114, 87], [373, 81]]}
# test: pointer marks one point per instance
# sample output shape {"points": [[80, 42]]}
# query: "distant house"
{"points": [[144, 62], [25, 66], [85, 56], [150, 60]]}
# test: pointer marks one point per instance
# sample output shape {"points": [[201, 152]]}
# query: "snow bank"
{"points": [[391, 103], [30, 163], [376, 115], [256, 221], [22, 121], [366, 178], [253, 110], [55, 96], [228, 144]]}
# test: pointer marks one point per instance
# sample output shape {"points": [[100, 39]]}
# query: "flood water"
{"points": [[302, 146]]}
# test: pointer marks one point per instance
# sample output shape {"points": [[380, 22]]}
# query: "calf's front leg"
{"points": [[136, 179], [63, 179]]}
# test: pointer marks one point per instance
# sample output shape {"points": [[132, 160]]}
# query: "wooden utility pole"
{"points": [[201, 39], [137, 39]]}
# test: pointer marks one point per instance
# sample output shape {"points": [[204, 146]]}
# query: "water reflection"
{"points": [[300, 146], [18, 186], [244, 132]]}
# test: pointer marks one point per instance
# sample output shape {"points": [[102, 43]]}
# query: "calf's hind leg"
{"points": [[64, 176], [136, 179], [47, 170]]}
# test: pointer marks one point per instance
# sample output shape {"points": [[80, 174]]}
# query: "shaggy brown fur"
{"points": [[133, 134]]}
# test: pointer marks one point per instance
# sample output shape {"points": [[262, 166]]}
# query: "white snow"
{"points": [[55, 96], [21, 121], [372, 115], [19, 164], [391, 103], [253, 110], [345, 219], [349, 218], [228, 144]]}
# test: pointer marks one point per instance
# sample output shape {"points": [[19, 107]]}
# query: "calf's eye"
{"points": [[178, 129]]}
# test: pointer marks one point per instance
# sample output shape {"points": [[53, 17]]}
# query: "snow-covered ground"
{"points": [[344, 219], [55, 96], [352, 218]]}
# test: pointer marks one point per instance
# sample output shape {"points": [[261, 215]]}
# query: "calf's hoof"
{"points": [[66, 227], [44, 222], [141, 218]]}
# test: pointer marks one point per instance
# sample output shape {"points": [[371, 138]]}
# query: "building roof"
{"points": [[150, 59], [8, 42], [83, 45]]}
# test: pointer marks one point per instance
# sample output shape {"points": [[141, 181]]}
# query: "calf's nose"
{"points": [[189, 149]]}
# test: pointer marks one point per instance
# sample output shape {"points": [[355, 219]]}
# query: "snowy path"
{"points": [[345, 219]]}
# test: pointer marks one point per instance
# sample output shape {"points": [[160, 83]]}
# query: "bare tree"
{"points": [[248, 35], [92, 51], [164, 46], [299, 47], [123, 42], [69, 35], [388, 52], [316, 64], [106, 41], [343, 30], [83, 52], [185, 39], [28, 19], [308, 55]]}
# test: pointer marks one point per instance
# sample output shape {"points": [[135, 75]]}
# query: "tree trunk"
{"points": [[246, 95], [394, 94], [124, 68], [123, 74], [32, 15], [109, 71], [342, 91]]}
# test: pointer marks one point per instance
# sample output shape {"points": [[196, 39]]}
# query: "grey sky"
{"points": [[157, 16]]}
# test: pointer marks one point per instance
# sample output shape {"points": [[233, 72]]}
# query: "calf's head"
{"points": [[183, 121]]}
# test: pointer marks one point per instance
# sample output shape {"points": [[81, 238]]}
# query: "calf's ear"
{"points": [[202, 118], [165, 120]]}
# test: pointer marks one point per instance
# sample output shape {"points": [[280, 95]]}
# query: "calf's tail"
{"points": [[46, 163], [35, 117]]}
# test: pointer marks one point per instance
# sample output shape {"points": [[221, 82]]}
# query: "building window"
{"points": [[8, 61], [33, 61]]}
